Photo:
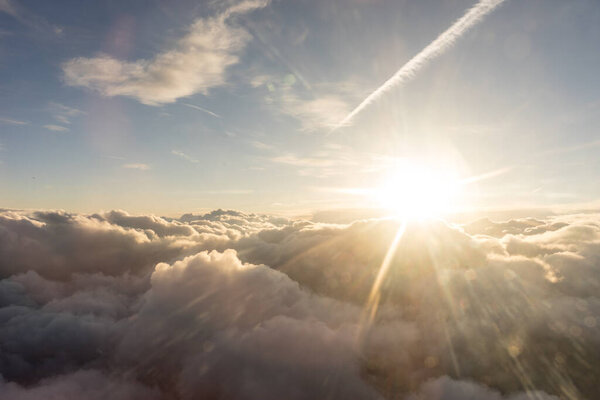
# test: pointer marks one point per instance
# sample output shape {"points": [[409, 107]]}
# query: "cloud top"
{"points": [[248, 306]]}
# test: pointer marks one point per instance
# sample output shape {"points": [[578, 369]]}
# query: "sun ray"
{"points": [[370, 309]]}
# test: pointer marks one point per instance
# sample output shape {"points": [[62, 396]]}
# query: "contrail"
{"points": [[443, 42], [202, 109]]}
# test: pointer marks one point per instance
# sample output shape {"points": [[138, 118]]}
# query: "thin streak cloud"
{"points": [[195, 107], [11, 121], [186, 157], [487, 175], [56, 128], [443, 42], [139, 166]]}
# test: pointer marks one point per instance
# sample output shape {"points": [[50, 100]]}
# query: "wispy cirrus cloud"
{"points": [[204, 110], [331, 160], [229, 191], [315, 113], [7, 7], [62, 113], [138, 166], [27, 18], [257, 144], [436, 48], [186, 157], [197, 63], [486, 175], [56, 128], [11, 121], [320, 107], [296, 161]]}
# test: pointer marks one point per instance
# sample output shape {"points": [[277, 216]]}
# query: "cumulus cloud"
{"points": [[90, 385], [234, 305], [445, 388], [197, 62]]}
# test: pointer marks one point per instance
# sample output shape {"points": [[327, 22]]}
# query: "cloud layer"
{"points": [[197, 63], [229, 305]]}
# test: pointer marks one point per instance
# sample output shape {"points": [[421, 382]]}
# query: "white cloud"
{"points": [[64, 114], [186, 157], [333, 159], [11, 121], [323, 106], [6, 6], [229, 191], [27, 18], [445, 388], [197, 63], [140, 166], [261, 146], [202, 109], [251, 306], [89, 385], [322, 112], [316, 165], [296, 161], [56, 128]]}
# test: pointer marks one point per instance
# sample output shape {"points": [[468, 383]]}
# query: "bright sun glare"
{"points": [[413, 191]]}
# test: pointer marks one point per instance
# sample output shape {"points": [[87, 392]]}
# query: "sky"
{"points": [[172, 107]]}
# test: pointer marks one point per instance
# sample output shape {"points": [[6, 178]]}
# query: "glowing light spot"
{"points": [[514, 349], [413, 191]]}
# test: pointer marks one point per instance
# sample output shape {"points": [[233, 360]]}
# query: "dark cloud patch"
{"points": [[84, 384], [36, 343], [445, 388], [230, 305]]}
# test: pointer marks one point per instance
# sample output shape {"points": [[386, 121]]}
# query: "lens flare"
{"points": [[414, 191]]}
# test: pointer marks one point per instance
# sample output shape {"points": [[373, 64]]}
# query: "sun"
{"points": [[415, 191]]}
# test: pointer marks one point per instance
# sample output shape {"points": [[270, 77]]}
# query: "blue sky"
{"points": [[173, 107]]}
